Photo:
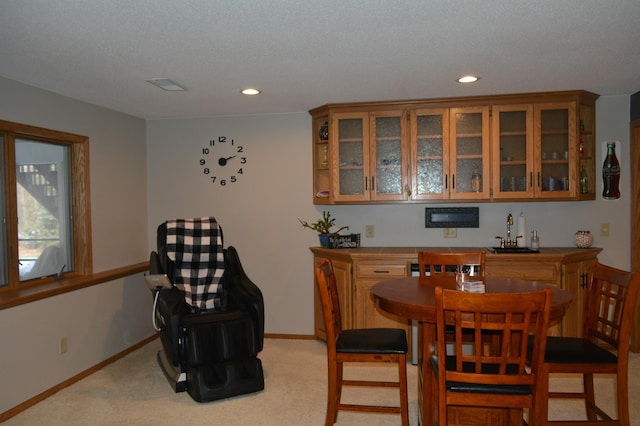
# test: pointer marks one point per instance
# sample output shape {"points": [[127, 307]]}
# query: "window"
{"points": [[44, 205]]}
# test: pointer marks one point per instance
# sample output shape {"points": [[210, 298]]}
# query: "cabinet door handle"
{"points": [[453, 181], [366, 183], [584, 280], [373, 183], [538, 179], [446, 181], [530, 179]]}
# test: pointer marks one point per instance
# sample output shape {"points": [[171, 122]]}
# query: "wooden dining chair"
{"points": [[436, 263], [603, 348], [469, 375], [387, 345]]}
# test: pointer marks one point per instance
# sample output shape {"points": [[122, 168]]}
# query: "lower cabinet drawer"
{"points": [[381, 271], [547, 272]]}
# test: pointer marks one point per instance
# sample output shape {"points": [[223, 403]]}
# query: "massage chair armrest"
{"points": [[243, 293], [170, 309], [159, 263]]}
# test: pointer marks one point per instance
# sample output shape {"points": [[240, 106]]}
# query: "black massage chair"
{"points": [[209, 314]]}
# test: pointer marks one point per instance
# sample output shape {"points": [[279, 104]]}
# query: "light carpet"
{"points": [[133, 391]]}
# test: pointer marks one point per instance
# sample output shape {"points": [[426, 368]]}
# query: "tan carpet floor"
{"points": [[133, 391]]}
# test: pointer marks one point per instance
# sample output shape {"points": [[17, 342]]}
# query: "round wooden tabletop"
{"points": [[414, 297]]}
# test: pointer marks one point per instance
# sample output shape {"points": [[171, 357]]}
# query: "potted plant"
{"points": [[323, 227]]}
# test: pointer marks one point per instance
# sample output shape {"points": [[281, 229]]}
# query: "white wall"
{"points": [[105, 319], [259, 213]]}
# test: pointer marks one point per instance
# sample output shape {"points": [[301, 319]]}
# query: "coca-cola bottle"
{"points": [[611, 174]]}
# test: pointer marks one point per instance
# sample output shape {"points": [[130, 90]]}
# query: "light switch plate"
{"points": [[368, 231], [450, 232]]}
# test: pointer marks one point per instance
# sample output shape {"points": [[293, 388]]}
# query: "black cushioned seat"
{"points": [[575, 350], [479, 387], [372, 341]]}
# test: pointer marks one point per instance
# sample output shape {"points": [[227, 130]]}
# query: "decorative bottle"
{"points": [[535, 240], [611, 174], [584, 181], [323, 133], [476, 181]]}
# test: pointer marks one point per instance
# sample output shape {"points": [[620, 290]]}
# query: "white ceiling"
{"points": [[305, 53]]}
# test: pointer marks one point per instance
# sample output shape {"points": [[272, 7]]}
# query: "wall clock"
{"points": [[223, 161]]}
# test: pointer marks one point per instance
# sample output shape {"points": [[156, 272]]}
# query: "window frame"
{"points": [[80, 203]]}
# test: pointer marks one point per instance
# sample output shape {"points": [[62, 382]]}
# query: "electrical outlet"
{"points": [[62, 348], [368, 230], [604, 229], [450, 232]]}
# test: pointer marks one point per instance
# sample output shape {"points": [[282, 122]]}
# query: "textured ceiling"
{"points": [[305, 53]]}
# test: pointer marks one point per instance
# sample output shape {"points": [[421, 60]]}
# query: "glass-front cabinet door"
{"points": [[388, 172], [371, 156], [555, 130], [512, 151], [430, 153], [350, 134], [469, 160]]}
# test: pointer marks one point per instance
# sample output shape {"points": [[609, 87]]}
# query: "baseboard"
{"points": [[289, 336]]}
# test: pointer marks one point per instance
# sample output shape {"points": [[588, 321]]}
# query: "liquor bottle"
{"points": [[584, 181], [581, 140], [611, 174], [581, 146]]}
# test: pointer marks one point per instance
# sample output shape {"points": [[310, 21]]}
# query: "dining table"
{"points": [[413, 298]]}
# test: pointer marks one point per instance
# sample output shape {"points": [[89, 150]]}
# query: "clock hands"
{"points": [[223, 161]]}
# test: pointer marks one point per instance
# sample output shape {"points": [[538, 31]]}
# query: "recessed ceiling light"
{"points": [[468, 79], [165, 84], [250, 91]]}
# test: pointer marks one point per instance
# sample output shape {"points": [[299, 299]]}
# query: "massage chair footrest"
{"points": [[219, 381]]}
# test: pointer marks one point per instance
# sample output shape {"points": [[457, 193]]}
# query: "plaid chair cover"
{"points": [[195, 246]]}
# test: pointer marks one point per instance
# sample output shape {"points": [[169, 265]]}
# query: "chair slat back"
{"points": [[507, 320], [449, 263], [326, 281], [610, 304]]}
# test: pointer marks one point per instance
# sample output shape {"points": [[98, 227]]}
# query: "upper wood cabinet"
{"points": [[449, 153], [369, 156], [537, 146], [469, 150]]}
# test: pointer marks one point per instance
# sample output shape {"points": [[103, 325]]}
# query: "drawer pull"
{"points": [[380, 272]]}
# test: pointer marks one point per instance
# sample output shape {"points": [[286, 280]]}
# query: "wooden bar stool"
{"points": [[358, 345]]}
